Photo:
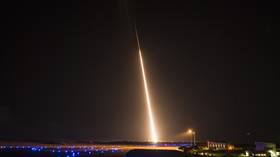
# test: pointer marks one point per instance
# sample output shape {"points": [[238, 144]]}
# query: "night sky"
{"points": [[70, 70]]}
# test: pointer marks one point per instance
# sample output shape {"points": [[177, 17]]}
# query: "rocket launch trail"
{"points": [[153, 132]]}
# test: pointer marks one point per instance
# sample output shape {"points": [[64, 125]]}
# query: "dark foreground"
{"points": [[61, 153], [44, 151], [76, 150]]}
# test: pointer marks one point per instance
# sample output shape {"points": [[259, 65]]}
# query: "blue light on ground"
{"points": [[59, 151]]}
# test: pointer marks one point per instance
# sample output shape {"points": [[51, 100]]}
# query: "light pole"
{"points": [[192, 133]]}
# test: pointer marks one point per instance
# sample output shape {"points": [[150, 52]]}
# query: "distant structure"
{"points": [[219, 145], [216, 145], [263, 146]]}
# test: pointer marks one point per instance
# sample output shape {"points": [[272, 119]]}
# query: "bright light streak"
{"points": [[154, 137]]}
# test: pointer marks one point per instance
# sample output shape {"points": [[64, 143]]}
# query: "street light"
{"points": [[192, 133]]}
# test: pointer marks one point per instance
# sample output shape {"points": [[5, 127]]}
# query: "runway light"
{"points": [[246, 153]]}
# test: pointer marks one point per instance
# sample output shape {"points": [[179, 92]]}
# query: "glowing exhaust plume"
{"points": [[154, 137]]}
